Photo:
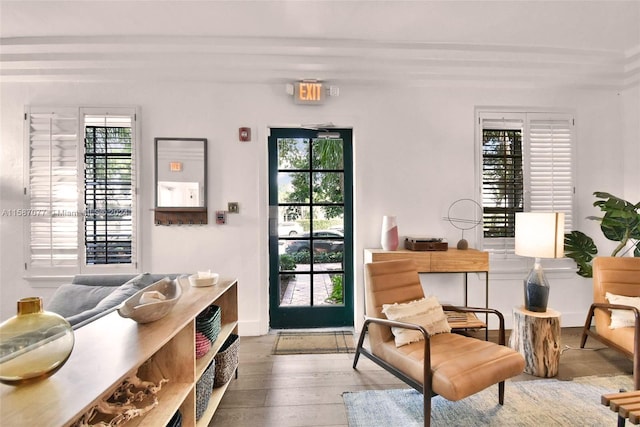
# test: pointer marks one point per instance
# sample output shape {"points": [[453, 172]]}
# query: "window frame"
{"points": [[501, 250], [79, 266]]}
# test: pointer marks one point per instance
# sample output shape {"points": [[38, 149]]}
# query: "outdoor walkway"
{"points": [[299, 288]]}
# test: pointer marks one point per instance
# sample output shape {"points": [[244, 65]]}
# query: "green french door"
{"points": [[310, 228]]}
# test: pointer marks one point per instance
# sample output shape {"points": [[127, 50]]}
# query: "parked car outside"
{"points": [[339, 228], [334, 242], [289, 229]]}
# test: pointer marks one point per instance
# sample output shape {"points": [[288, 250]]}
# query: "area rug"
{"points": [[314, 342], [540, 403]]}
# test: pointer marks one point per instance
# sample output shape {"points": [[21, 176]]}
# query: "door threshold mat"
{"points": [[314, 342]]}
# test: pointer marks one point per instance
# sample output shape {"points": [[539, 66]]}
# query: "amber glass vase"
{"points": [[34, 344]]}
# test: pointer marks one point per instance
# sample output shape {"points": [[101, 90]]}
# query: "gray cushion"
{"points": [[108, 279], [111, 301], [123, 292], [70, 299]]}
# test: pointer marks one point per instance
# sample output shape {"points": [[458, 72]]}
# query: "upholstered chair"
{"points": [[615, 314], [444, 363]]}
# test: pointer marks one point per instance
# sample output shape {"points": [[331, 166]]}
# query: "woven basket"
{"points": [[176, 420], [209, 322], [204, 388], [203, 345], [226, 360]]}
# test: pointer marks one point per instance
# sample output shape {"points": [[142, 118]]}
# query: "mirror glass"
{"points": [[181, 172]]}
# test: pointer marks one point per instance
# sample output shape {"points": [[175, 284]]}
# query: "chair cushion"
{"points": [[622, 318], [426, 312], [111, 301], [460, 365], [71, 299]]}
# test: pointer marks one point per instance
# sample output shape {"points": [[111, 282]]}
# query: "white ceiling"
{"points": [[532, 43]]}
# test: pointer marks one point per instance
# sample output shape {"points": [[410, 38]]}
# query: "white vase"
{"points": [[389, 236]]}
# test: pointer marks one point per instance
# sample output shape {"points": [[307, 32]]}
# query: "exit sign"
{"points": [[308, 93]]}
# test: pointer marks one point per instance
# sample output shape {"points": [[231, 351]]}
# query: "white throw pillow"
{"points": [[622, 318], [426, 312]]}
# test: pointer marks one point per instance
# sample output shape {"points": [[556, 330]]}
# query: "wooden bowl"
{"points": [[146, 312]]}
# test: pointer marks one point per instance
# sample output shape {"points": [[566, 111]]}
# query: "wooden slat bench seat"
{"points": [[626, 404]]}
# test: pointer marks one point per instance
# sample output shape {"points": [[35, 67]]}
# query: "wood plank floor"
{"points": [[306, 390]]}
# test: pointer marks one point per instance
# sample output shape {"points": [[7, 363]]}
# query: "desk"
{"points": [[450, 261]]}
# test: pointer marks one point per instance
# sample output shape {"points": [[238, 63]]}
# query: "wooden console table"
{"points": [[451, 261], [113, 348]]}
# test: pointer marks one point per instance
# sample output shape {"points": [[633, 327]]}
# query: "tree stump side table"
{"points": [[537, 337]]}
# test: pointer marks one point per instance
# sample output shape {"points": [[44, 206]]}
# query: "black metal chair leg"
{"points": [[360, 342]]}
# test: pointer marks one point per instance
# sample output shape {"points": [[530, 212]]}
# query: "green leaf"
{"points": [[585, 270], [579, 247]]}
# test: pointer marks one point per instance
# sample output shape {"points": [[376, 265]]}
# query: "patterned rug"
{"points": [[314, 342], [540, 403]]}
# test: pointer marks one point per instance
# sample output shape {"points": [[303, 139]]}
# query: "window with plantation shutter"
{"points": [[80, 194], [52, 211], [526, 165]]}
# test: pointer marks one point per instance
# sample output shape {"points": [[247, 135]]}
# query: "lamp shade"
{"points": [[540, 234]]}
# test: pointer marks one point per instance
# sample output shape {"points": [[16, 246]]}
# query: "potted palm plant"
{"points": [[620, 223]]}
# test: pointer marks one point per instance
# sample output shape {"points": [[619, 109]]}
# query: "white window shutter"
{"points": [[53, 212], [550, 163]]}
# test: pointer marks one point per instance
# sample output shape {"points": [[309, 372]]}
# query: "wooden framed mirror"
{"points": [[180, 181]]}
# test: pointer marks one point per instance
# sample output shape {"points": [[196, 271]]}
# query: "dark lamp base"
{"points": [[535, 297]]}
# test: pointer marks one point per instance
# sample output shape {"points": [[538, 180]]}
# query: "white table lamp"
{"points": [[539, 235]]}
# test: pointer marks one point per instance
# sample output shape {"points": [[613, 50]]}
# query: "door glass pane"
{"points": [[328, 218], [295, 290], [293, 187], [293, 153], [328, 154], [321, 289], [335, 290], [328, 187], [290, 223]]}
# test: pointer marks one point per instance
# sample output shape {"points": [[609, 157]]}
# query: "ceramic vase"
{"points": [[34, 344], [389, 236]]}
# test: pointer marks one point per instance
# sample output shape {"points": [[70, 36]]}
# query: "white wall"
{"points": [[631, 137], [414, 155]]}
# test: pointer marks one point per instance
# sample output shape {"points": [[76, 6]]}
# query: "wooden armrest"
{"points": [[607, 306]]}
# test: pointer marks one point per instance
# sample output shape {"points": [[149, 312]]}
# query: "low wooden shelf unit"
{"points": [[113, 348]]}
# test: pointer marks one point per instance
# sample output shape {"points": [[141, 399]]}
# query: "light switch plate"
{"points": [[233, 207]]}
